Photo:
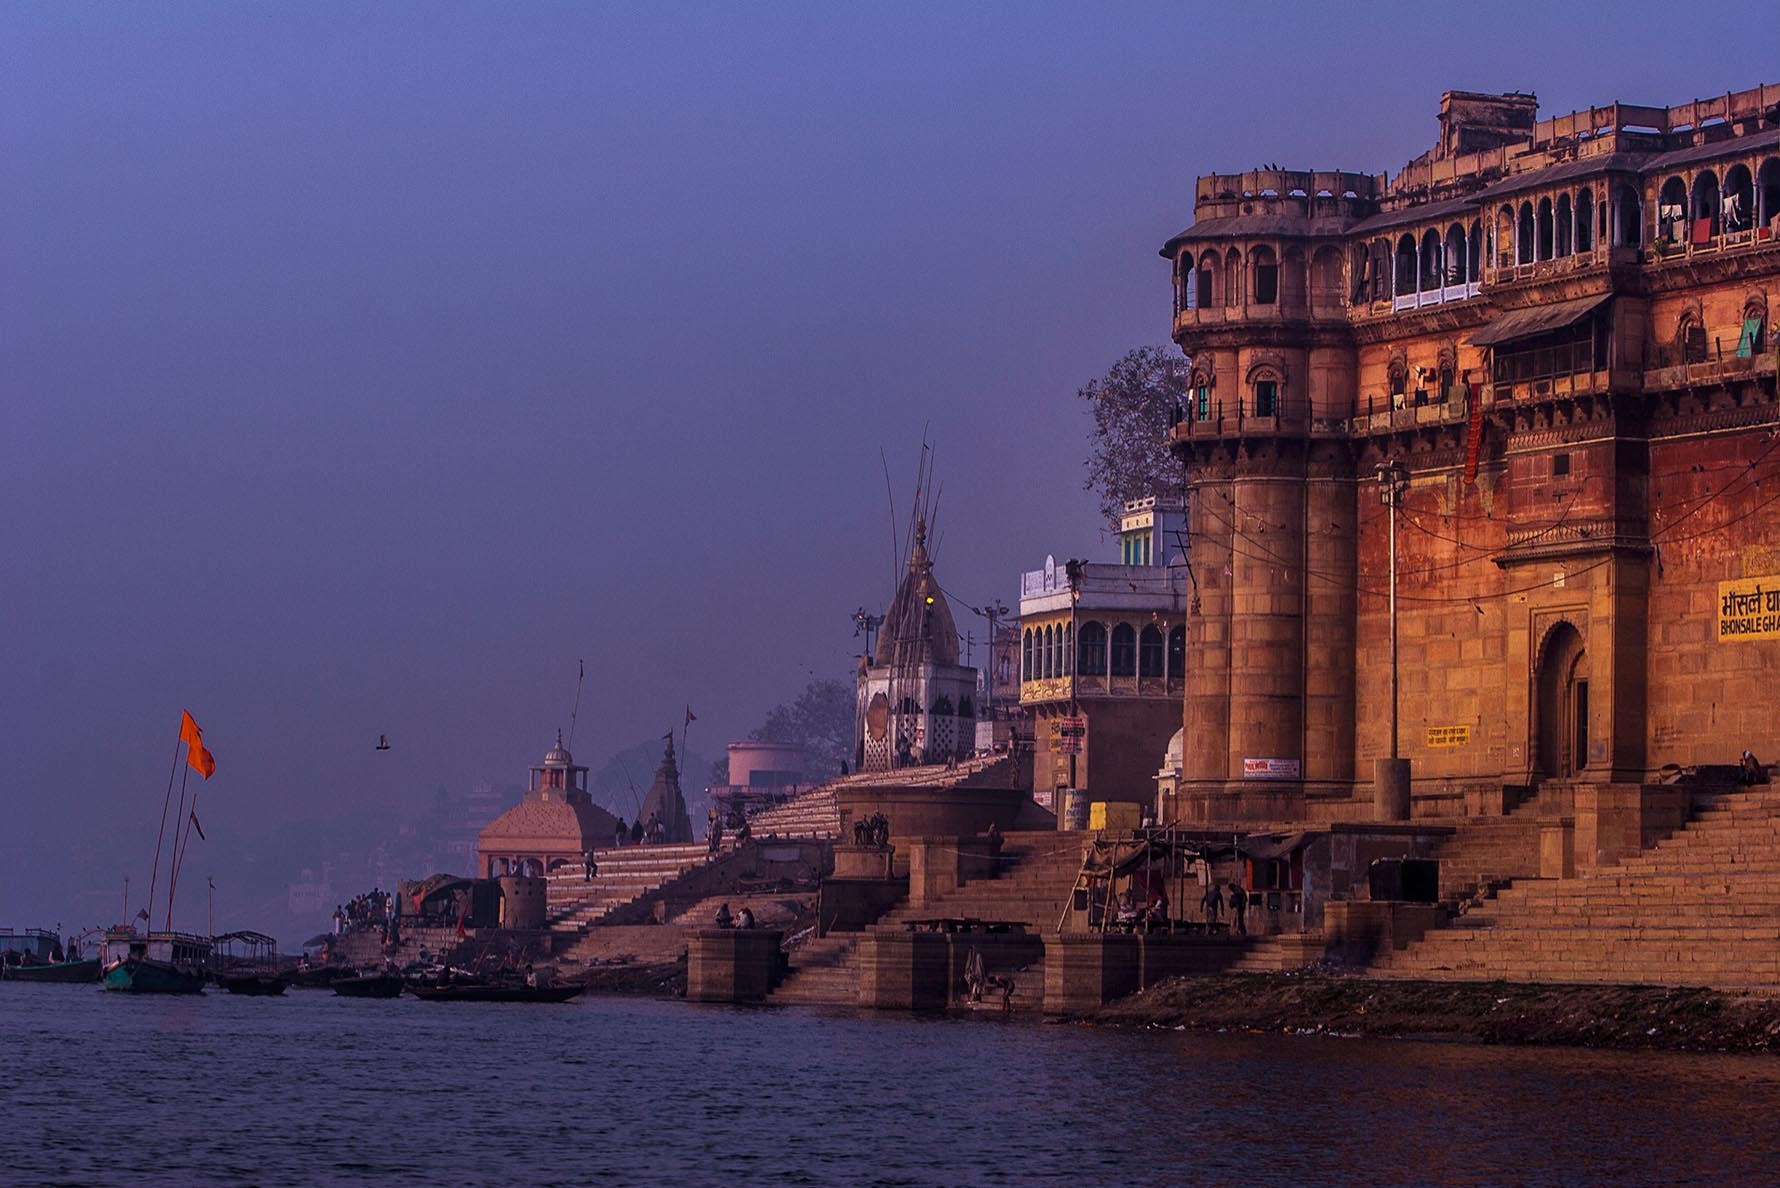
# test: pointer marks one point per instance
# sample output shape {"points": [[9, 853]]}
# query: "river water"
{"points": [[313, 1089]]}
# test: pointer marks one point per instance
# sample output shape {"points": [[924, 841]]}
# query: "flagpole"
{"points": [[173, 884], [155, 874], [178, 820], [576, 712]]}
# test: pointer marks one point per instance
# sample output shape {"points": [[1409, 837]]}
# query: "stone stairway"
{"points": [[1487, 853], [1040, 870], [824, 972], [1701, 908], [625, 876], [815, 813], [1278, 953]]}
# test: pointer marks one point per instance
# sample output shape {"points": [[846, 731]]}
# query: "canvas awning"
{"points": [[1540, 319]]}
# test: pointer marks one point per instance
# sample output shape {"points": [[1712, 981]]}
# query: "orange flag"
{"points": [[197, 756]]}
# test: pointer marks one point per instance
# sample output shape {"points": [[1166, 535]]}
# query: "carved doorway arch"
{"points": [[1561, 705]]}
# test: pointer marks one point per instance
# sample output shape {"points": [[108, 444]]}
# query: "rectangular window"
{"points": [[1266, 398], [1560, 465], [1203, 400]]}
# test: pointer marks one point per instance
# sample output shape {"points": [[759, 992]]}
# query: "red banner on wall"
{"points": [[1473, 434]]}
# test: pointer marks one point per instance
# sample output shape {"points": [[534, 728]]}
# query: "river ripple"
{"points": [[312, 1089]]}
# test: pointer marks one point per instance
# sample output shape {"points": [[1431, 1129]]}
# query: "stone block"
{"points": [[733, 964]]}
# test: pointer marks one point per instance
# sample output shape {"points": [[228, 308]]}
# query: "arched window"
{"points": [[1266, 392], [1752, 337], [1671, 212], [1704, 210], [1737, 199], [1474, 271], [1265, 267], [1585, 220], [1767, 194], [1092, 654], [1561, 227], [1292, 280], [1406, 266], [1186, 287], [1542, 236], [1690, 338], [1325, 278], [965, 708], [1065, 650], [1201, 395], [1456, 255], [1628, 223], [1028, 671], [1177, 652], [1047, 663], [1524, 235], [1149, 652], [1208, 280], [1433, 262], [1504, 233], [1124, 650], [1399, 380], [1232, 279], [942, 705]]}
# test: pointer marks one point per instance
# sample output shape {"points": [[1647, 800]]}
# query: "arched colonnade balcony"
{"points": [[1715, 199]]}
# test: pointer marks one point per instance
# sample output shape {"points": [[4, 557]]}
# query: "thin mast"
{"points": [[154, 875]]}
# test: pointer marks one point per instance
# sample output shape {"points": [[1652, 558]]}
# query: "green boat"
{"points": [[158, 963], [54, 971]]}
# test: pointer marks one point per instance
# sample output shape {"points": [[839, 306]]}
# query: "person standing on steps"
{"points": [[1239, 908]]}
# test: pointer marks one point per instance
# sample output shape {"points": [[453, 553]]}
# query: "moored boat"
{"points": [[156, 963], [496, 992], [247, 963], [263, 984], [368, 986], [86, 971]]}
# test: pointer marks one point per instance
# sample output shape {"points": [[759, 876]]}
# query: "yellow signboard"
{"points": [[1449, 736], [1749, 608]]}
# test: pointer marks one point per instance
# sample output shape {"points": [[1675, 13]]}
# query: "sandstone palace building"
{"points": [[1545, 351]]}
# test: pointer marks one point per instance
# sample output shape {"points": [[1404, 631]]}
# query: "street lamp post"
{"points": [[1392, 774]]}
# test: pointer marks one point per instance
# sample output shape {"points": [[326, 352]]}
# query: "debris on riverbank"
{"points": [[653, 979], [1630, 1017]]}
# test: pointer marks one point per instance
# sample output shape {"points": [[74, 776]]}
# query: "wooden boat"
{"points": [[86, 971], [247, 963], [156, 963], [263, 984], [368, 986], [496, 992]]}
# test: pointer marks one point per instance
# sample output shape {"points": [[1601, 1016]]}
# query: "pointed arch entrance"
{"points": [[1561, 707]]}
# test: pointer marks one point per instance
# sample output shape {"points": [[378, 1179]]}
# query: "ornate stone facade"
{"points": [[1560, 330]]}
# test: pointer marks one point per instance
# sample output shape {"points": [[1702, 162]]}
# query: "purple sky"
{"points": [[366, 366]]}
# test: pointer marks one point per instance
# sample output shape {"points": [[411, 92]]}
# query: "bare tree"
{"points": [[1135, 404]]}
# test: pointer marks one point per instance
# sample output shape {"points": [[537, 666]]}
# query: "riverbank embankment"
{"points": [[1628, 1017]]}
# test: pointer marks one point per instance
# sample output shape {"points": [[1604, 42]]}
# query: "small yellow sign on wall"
{"points": [[1449, 736], [1749, 608]]}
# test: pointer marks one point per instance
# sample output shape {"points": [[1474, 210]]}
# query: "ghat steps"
{"points": [[1041, 868], [1700, 908]]}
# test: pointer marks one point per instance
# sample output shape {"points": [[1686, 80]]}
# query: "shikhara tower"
{"points": [[916, 702]]}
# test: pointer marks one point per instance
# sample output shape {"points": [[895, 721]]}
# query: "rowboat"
{"points": [[368, 986], [474, 992]]}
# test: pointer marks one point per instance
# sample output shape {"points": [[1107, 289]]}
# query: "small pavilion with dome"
{"points": [[556, 822]]}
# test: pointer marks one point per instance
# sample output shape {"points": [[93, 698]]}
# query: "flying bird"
{"points": [[383, 742]]}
